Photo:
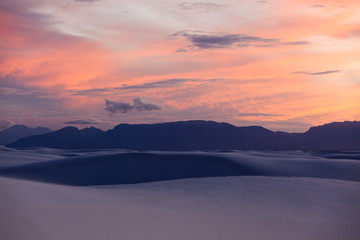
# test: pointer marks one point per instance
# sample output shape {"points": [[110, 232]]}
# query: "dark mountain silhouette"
{"points": [[68, 137], [200, 135], [333, 136], [19, 131]]}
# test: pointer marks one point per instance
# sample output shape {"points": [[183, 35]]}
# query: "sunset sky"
{"points": [[282, 64]]}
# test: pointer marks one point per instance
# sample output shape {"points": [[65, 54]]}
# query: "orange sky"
{"points": [[282, 64]]}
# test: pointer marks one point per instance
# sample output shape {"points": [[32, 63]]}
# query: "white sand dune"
{"points": [[277, 195], [82, 168], [206, 208]]}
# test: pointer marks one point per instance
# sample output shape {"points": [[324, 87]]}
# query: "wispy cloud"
{"points": [[4, 123], [83, 121], [59, 61], [317, 6], [259, 115], [18, 95], [156, 84], [181, 50], [87, 0], [296, 43], [202, 6], [26, 28], [138, 105], [207, 40], [317, 73], [213, 40]]}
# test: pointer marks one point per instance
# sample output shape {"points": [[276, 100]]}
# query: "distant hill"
{"points": [[68, 137], [19, 131], [200, 135]]}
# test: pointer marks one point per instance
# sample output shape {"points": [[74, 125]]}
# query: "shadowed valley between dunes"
{"points": [[104, 168]]}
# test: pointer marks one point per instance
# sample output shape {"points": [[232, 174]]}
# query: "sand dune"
{"points": [[226, 208], [253, 195], [102, 168]]}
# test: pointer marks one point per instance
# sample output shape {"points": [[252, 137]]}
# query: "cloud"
{"points": [[87, 0], [213, 40], [181, 50], [317, 73], [4, 123], [207, 40], [26, 28], [138, 105], [202, 6], [317, 6], [297, 43], [352, 33], [15, 95], [157, 84], [83, 121], [91, 91], [259, 114]]}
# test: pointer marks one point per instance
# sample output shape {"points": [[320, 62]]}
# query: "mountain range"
{"points": [[16, 132], [199, 135]]}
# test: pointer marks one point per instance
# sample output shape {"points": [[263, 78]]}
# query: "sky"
{"points": [[282, 64]]}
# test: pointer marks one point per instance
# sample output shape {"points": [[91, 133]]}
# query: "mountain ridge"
{"points": [[200, 135], [19, 131]]}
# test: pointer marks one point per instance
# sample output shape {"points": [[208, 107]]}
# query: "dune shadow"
{"points": [[127, 168]]}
